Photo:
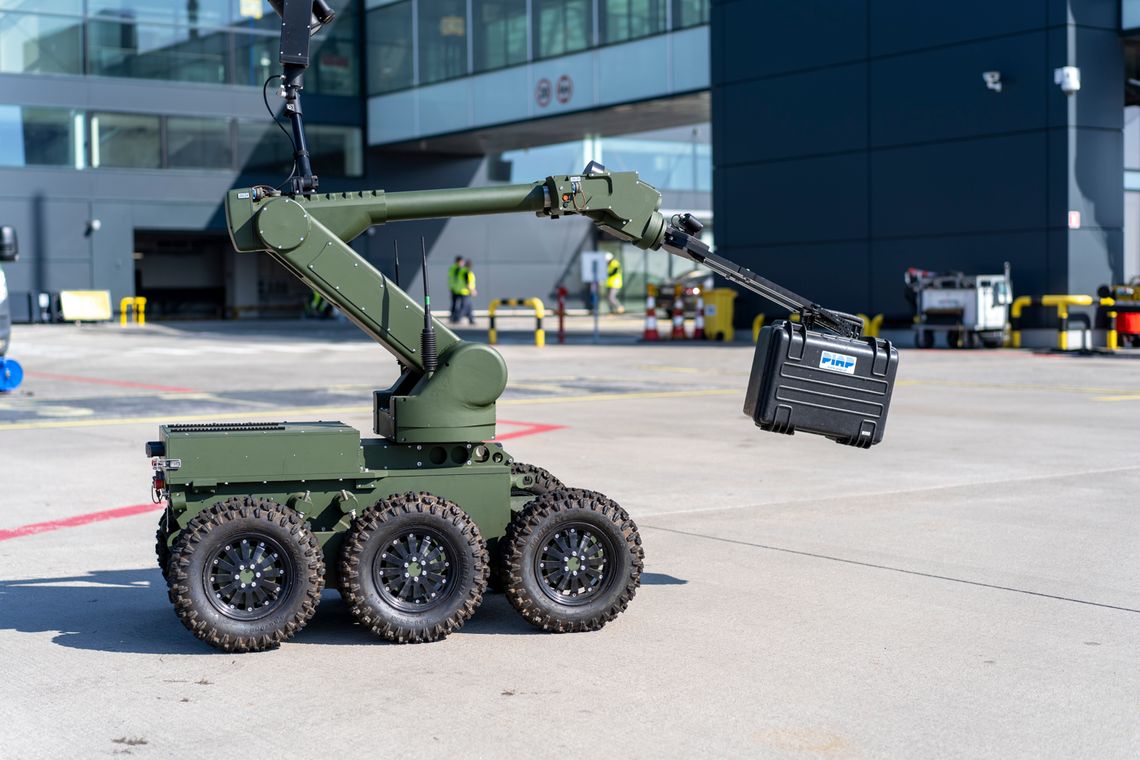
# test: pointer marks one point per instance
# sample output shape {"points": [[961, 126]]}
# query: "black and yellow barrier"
{"points": [[135, 305], [533, 303], [871, 325], [1059, 302], [756, 325]]}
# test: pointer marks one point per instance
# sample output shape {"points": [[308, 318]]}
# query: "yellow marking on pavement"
{"points": [[666, 368], [1126, 393], [689, 370], [299, 412]]}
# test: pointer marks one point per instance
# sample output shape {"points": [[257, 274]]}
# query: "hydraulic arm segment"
{"points": [[310, 236]]}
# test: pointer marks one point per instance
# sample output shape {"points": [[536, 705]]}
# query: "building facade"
{"points": [[124, 122], [856, 138]]}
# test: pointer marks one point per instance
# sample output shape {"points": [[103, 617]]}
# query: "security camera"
{"points": [[1068, 78], [992, 80]]}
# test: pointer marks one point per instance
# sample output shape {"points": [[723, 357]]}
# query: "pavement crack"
{"points": [[903, 570]]}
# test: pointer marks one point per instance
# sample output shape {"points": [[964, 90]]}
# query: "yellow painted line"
{"points": [[303, 411], [1090, 390], [1122, 397], [622, 396]]}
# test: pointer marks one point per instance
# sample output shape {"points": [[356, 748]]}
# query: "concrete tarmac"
{"points": [[970, 588]]}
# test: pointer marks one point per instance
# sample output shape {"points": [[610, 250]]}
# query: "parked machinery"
{"points": [[1126, 306], [968, 309]]}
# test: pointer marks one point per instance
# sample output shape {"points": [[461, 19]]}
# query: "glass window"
{"points": [[125, 140], [31, 44], [336, 54], [189, 13], [193, 143], [255, 58], [157, 52], [561, 26], [443, 39], [40, 137], [389, 35], [629, 19], [334, 150], [1129, 14], [688, 13], [72, 7], [263, 150], [499, 32]]}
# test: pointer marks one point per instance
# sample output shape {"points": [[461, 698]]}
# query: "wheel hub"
{"points": [[248, 577], [571, 565], [413, 571]]}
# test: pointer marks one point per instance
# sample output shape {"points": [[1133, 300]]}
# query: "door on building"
{"points": [[182, 274]]}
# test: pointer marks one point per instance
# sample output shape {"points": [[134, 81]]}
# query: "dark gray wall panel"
{"points": [[900, 25], [822, 111], [986, 185], [1084, 167], [1093, 258], [835, 274], [1096, 156], [1101, 13], [940, 94], [1100, 102], [1100, 57], [807, 200], [775, 36]]}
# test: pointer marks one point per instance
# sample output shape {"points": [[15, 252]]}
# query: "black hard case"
{"points": [[793, 387]]}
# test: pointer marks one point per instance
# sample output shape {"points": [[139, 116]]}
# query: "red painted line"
{"points": [[529, 428], [73, 522], [104, 381]]}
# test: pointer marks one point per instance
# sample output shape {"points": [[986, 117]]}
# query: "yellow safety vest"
{"points": [[453, 278], [465, 282], [613, 275]]}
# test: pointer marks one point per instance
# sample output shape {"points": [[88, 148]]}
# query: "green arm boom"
{"points": [[310, 236]]}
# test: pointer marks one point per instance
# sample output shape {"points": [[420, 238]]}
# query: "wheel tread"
{"points": [[531, 519], [198, 530]]}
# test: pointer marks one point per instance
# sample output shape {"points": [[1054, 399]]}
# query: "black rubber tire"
{"points": [[529, 531], [227, 521], [161, 549], [544, 482], [394, 517]]}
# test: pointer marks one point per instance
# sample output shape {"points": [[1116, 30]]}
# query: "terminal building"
{"points": [[829, 144]]}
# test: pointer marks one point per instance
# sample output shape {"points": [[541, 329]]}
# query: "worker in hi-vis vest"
{"points": [[453, 285], [466, 292], [613, 284]]}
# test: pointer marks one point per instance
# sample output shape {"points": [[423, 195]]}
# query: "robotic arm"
{"points": [[300, 20]]}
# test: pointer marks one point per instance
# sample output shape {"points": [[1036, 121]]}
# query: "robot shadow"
{"points": [[127, 611]]}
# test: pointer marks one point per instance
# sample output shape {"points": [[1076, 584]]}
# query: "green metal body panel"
{"points": [[327, 473]]}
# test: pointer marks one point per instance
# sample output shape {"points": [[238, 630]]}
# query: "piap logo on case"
{"points": [[837, 363]]}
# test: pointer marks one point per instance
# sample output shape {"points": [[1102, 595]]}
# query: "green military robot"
{"points": [[410, 525]]}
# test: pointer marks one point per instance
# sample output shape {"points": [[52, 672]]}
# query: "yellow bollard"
{"points": [[756, 325], [539, 313], [876, 326], [140, 310], [491, 334], [1015, 309]]}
